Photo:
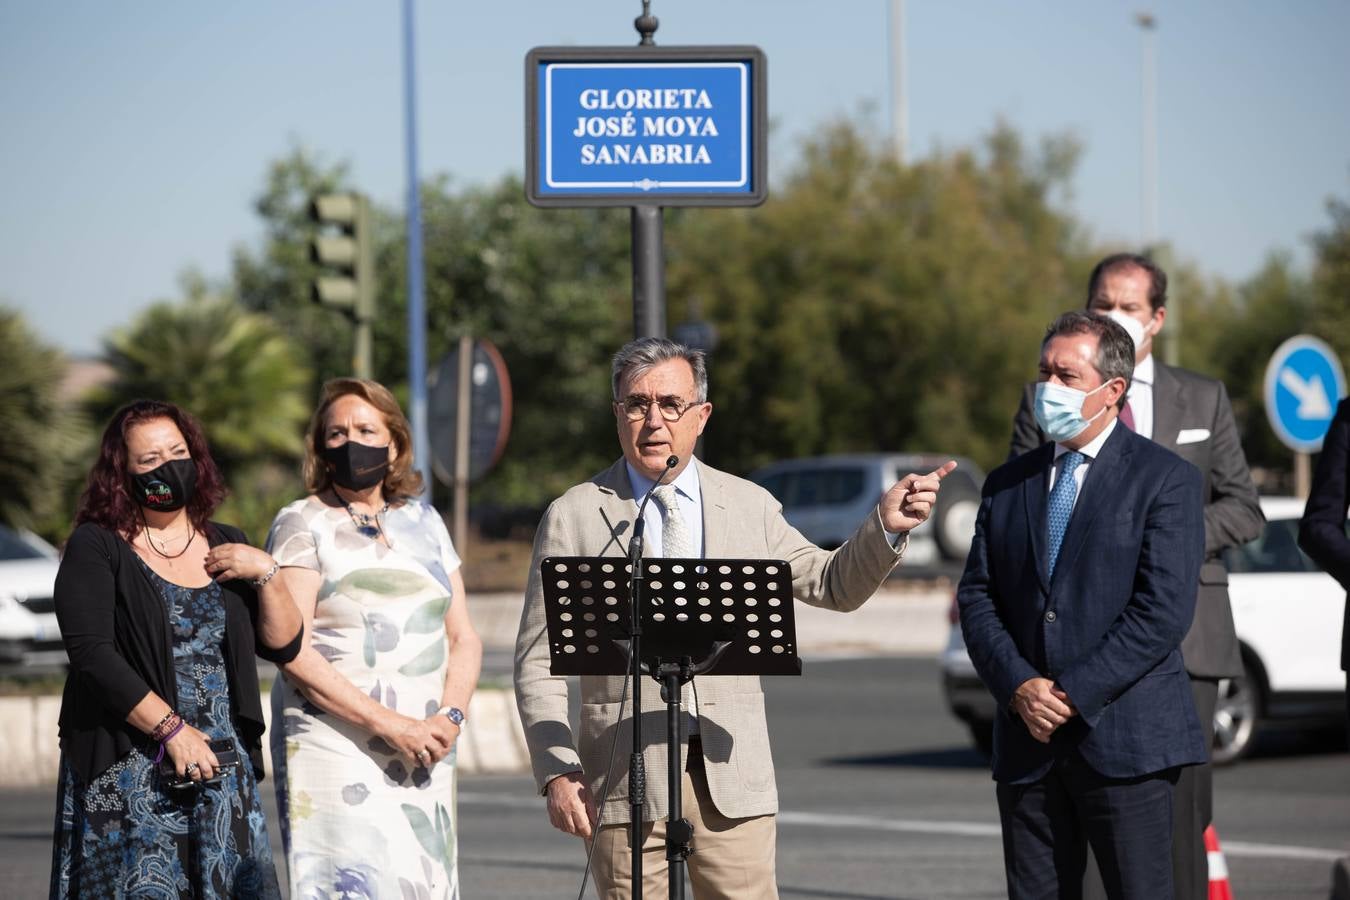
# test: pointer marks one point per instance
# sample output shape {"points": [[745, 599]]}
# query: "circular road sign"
{"points": [[489, 411], [1304, 382]]}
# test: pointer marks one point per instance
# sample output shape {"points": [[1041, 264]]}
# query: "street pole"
{"points": [[1148, 171], [648, 234], [649, 272], [1148, 130], [1302, 475], [463, 403], [899, 102], [417, 318]]}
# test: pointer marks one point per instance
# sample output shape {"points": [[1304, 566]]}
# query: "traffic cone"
{"points": [[1219, 888]]}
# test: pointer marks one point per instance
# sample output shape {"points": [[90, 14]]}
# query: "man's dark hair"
{"points": [[1157, 278], [1115, 347]]}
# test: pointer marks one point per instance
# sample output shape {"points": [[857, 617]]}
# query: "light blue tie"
{"points": [[1061, 503]]}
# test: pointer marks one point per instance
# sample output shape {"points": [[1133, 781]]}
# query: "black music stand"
{"points": [[695, 617]]}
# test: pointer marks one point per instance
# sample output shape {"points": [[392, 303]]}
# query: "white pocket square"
{"points": [[1192, 435]]}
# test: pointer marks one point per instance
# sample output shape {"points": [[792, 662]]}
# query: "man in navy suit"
{"points": [[1322, 536], [1078, 590]]}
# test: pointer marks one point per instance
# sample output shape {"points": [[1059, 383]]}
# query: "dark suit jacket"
{"points": [[1108, 628], [1186, 402], [1322, 532]]}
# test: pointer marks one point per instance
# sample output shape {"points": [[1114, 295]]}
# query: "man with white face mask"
{"points": [[1078, 589], [1189, 414]]}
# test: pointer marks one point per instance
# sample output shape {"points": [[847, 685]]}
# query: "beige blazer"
{"points": [[740, 519]]}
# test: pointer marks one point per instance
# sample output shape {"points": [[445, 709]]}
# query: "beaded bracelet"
{"points": [[167, 724], [162, 722], [168, 737]]}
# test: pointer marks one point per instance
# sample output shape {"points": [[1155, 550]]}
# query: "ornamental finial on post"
{"points": [[646, 25]]}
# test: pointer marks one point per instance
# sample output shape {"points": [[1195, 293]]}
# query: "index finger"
{"points": [[944, 470]]}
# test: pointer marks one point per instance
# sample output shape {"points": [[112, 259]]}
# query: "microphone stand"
{"points": [[637, 771]]}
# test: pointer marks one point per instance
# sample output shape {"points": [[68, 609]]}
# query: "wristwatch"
{"points": [[453, 713]]}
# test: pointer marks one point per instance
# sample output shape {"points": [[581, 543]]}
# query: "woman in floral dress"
{"points": [[161, 664], [367, 716]]}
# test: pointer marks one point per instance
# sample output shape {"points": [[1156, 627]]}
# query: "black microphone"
{"points": [[639, 524]]}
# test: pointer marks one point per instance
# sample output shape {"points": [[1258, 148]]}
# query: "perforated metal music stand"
{"points": [[688, 605], [695, 617]]}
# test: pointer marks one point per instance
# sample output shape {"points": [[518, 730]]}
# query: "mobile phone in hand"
{"points": [[227, 757]]}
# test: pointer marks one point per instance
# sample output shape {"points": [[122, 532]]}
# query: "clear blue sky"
{"points": [[136, 135]]}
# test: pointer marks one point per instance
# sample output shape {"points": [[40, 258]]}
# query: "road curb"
{"points": [[901, 620], [493, 741]]}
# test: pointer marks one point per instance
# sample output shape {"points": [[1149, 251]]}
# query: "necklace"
{"points": [[162, 549], [367, 524]]}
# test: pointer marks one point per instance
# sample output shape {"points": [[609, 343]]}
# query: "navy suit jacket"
{"points": [[1322, 531], [1108, 628]]}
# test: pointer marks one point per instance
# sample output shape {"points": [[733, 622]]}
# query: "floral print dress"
{"points": [[357, 821], [125, 834]]}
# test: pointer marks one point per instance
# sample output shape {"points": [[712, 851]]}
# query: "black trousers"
{"points": [[1192, 813], [1049, 824]]}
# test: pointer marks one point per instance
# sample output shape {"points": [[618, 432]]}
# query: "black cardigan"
{"points": [[117, 635]]}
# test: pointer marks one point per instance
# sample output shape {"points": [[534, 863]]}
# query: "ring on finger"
{"points": [[190, 768]]}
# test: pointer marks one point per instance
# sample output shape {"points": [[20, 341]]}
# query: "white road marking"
{"points": [[925, 826]]}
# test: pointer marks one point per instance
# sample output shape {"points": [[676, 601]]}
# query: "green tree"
{"points": [[549, 288], [1331, 280], [239, 374], [870, 305], [39, 456], [276, 278]]}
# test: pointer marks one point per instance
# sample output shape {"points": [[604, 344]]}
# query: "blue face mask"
{"points": [[1059, 410]]}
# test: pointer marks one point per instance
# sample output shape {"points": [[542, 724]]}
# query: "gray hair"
{"points": [[1115, 347], [636, 357]]}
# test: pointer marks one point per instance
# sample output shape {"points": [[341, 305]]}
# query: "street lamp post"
{"points": [[899, 106], [1148, 170]]}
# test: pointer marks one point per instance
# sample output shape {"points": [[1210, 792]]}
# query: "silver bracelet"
{"points": [[271, 573]]}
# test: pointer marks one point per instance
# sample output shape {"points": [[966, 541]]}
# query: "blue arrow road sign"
{"points": [[1304, 382]]}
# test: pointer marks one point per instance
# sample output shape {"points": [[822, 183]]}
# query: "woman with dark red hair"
{"points": [[161, 611]]}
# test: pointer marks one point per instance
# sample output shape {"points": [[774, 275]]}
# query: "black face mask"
{"points": [[166, 488], [356, 466]]}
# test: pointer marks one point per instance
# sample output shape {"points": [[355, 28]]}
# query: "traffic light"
{"points": [[348, 256]]}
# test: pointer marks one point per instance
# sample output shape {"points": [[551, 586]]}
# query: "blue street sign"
{"points": [[1304, 382], [666, 126]]}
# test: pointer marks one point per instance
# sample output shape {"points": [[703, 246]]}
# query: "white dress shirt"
{"points": [[1090, 451], [1140, 396]]}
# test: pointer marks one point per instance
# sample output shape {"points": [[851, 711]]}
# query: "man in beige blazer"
{"points": [[660, 406]]}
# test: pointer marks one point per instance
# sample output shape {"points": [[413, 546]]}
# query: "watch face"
{"points": [[454, 715]]}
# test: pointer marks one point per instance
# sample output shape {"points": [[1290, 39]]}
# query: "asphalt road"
{"points": [[882, 800]]}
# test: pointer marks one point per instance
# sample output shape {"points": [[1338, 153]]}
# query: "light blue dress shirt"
{"points": [[691, 505]]}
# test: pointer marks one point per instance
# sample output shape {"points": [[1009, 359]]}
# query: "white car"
{"points": [[1288, 616], [825, 497], [29, 634]]}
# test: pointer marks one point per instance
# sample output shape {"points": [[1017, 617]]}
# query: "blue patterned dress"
{"points": [[125, 835]]}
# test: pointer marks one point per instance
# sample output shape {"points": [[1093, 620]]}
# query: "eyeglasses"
{"points": [[634, 407]]}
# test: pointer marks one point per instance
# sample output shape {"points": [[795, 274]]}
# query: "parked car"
{"points": [[29, 634], [1288, 616], [825, 497]]}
